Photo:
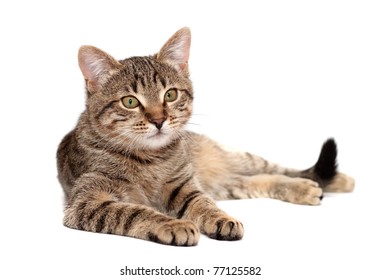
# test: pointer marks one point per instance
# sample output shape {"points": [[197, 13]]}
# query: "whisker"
{"points": [[192, 123], [199, 114]]}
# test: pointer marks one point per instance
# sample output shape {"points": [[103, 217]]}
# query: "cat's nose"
{"points": [[156, 116], [158, 122]]}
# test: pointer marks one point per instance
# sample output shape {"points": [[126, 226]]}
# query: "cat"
{"points": [[130, 168]]}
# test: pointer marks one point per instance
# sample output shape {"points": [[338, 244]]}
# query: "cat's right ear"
{"points": [[96, 66], [176, 50]]}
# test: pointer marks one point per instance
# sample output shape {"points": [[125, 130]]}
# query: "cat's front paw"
{"points": [[176, 232], [223, 228]]}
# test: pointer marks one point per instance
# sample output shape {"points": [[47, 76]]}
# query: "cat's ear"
{"points": [[176, 50], [96, 66]]}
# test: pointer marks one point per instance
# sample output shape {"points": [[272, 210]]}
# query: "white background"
{"points": [[273, 77]]}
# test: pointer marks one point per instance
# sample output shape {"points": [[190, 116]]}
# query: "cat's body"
{"points": [[129, 168]]}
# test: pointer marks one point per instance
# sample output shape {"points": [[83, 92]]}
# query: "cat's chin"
{"points": [[157, 141]]}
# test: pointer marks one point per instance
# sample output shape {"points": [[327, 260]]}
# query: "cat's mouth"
{"points": [[159, 134]]}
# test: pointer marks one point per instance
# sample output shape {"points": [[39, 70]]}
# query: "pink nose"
{"points": [[158, 122]]}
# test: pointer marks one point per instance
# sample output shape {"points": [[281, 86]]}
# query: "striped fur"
{"points": [[136, 172]]}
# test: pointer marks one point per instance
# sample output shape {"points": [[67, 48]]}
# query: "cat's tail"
{"points": [[325, 168]]}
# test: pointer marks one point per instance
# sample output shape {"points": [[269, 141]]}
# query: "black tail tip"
{"points": [[326, 166]]}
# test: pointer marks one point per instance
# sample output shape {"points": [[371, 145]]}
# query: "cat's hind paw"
{"points": [[340, 183]]}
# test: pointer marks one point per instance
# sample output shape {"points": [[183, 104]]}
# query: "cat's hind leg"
{"points": [[294, 190], [301, 187], [228, 174]]}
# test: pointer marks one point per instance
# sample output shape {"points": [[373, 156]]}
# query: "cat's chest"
{"points": [[152, 172], [152, 180], [158, 173]]}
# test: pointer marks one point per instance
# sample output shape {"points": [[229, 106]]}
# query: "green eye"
{"points": [[130, 102], [170, 95]]}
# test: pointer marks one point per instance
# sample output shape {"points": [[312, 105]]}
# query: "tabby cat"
{"points": [[129, 167]]}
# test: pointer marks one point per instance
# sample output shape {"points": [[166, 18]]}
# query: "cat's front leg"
{"points": [[215, 223], [100, 204], [187, 201]]}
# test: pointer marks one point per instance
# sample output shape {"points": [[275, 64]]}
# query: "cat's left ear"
{"points": [[176, 50]]}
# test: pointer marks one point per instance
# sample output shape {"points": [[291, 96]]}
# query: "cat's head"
{"points": [[140, 102]]}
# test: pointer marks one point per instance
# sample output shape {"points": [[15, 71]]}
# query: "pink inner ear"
{"points": [[95, 65], [96, 68], [185, 46], [179, 51], [183, 66], [176, 49], [183, 63], [90, 64]]}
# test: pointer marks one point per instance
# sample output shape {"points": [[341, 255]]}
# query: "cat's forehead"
{"points": [[148, 71], [142, 64], [143, 76]]}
